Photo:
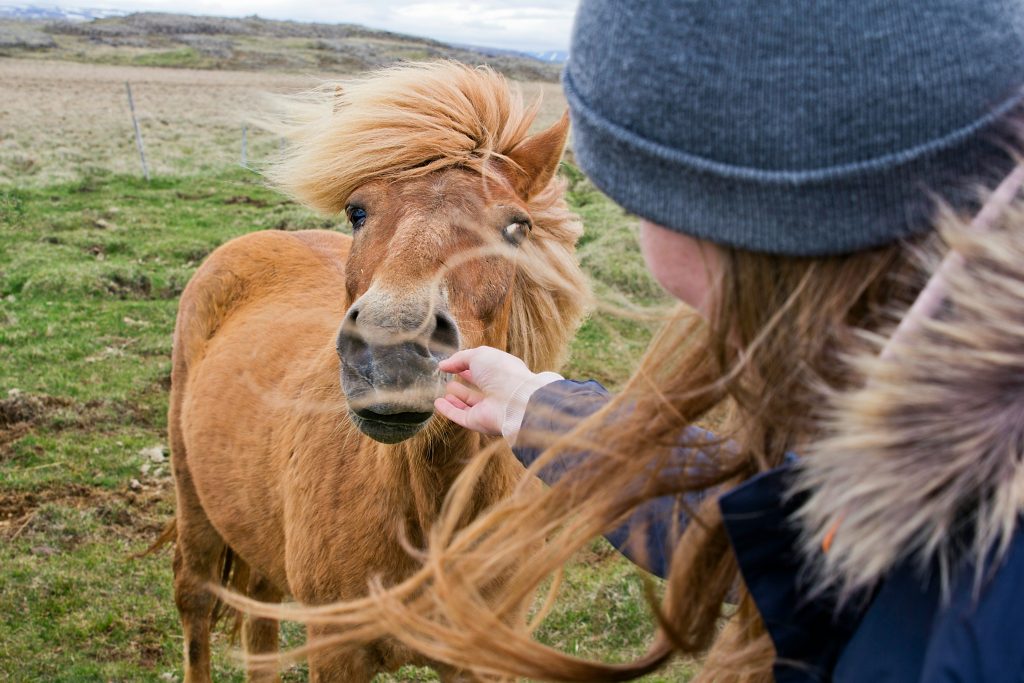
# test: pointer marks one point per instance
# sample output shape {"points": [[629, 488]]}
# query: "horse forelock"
{"points": [[401, 122]]}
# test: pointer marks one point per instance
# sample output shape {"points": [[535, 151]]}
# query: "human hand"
{"points": [[496, 389]]}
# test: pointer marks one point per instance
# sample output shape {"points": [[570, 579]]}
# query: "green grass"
{"points": [[90, 273], [183, 58]]}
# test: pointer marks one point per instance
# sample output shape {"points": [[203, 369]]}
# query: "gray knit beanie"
{"points": [[801, 127]]}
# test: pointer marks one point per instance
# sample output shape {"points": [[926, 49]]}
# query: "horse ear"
{"points": [[537, 158]]}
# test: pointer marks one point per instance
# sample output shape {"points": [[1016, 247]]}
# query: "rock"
{"points": [[135, 485], [155, 454]]}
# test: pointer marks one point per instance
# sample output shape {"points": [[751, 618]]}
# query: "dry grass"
{"points": [[59, 120]]}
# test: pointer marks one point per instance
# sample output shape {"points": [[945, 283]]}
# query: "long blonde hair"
{"points": [[780, 329]]}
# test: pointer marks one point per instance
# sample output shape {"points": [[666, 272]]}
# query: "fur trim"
{"points": [[925, 461]]}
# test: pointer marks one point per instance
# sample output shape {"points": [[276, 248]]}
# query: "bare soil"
{"points": [[125, 513]]}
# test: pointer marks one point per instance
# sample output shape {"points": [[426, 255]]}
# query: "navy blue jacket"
{"points": [[905, 632]]}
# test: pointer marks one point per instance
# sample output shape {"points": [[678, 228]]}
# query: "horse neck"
{"points": [[428, 466]]}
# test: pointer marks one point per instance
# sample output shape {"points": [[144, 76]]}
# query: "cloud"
{"points": [[528, 26]]}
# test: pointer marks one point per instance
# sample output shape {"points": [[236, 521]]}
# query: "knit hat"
{"points": [[800, 127]]}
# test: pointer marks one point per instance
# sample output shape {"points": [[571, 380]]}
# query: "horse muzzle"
{"points": [[389, 369]]}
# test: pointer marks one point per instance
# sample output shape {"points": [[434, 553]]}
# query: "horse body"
{"points": [[266, 461], [308, 456]]}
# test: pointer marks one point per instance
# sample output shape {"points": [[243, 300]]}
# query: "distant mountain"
{"points": [[53, 13], [57, 13], [555, 56], [550, 56], [247, 43]]}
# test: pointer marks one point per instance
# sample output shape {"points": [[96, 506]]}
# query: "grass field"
{"points": [[60, 119], [92, 263]]}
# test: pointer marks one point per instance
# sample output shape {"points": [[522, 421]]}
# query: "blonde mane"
{"points": [[414, 119]]}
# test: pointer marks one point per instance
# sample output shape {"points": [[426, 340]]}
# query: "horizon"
{"points": [[537, 27]]}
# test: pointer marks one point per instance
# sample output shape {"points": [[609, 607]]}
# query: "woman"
{"points": [[794, 163], [787, 160]]}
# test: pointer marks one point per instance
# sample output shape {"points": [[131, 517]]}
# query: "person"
{"points": [[790, 162], [800, 169]]}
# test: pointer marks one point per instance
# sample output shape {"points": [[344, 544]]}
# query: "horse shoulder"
{"points": [[258, 266]]}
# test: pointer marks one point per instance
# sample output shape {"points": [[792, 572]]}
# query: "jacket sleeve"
{"points": [[648, 537]]}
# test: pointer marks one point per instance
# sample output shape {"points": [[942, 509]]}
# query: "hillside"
{"points": [[250, 44]]}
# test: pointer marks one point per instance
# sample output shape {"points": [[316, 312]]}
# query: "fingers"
{"points": [[455, 401], [459, 361], [466, 394], [458, 415]]}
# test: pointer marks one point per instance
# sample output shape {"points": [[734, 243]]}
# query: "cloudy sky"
{"points": [[531, 25]]}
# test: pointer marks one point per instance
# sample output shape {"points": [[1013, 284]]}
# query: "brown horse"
{"points": [[308, 456]]}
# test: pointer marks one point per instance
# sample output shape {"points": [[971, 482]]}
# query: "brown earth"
{"points": [[132, 514]]}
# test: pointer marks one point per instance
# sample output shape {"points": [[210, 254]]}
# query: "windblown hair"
{"points": [[794, 318], [412, 120], [781, 335]]}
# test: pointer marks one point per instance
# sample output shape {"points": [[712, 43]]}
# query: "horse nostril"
{"points": [[350, 342], [445, 338]]}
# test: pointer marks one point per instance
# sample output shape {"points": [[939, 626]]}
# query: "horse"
{"points": [[306, 454]]}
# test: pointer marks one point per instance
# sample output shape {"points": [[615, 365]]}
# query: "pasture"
{"points": [[92, 263]]}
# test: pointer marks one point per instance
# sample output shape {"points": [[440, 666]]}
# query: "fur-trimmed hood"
{"points": [[925, 461]]}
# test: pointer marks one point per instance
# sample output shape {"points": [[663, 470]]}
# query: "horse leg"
{"points": [[339, 665], [259, 634], [197, 560]]}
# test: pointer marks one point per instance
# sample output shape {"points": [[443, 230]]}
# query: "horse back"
{"points": [[254, 331], [269, 267]]}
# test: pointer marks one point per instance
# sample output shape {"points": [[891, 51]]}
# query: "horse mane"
{"points": [[411, 120]]}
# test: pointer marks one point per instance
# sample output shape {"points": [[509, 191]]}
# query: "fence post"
{"points": [[138, 132], [245, 144]]}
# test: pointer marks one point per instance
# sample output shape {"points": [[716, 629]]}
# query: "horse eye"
{"points": [[356, 216], [515, 233]]}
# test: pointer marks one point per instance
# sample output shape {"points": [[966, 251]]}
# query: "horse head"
{"points": [[461, 236]]}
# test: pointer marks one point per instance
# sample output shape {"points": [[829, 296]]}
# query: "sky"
{"points": [[529, 26]]}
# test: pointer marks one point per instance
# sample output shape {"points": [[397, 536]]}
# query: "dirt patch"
{"points": [[19, 408], [129, 286], [18, 509], [19, 413], [148, 642], [192, 197], [131, 514], [245, 199], [9, 435]]}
